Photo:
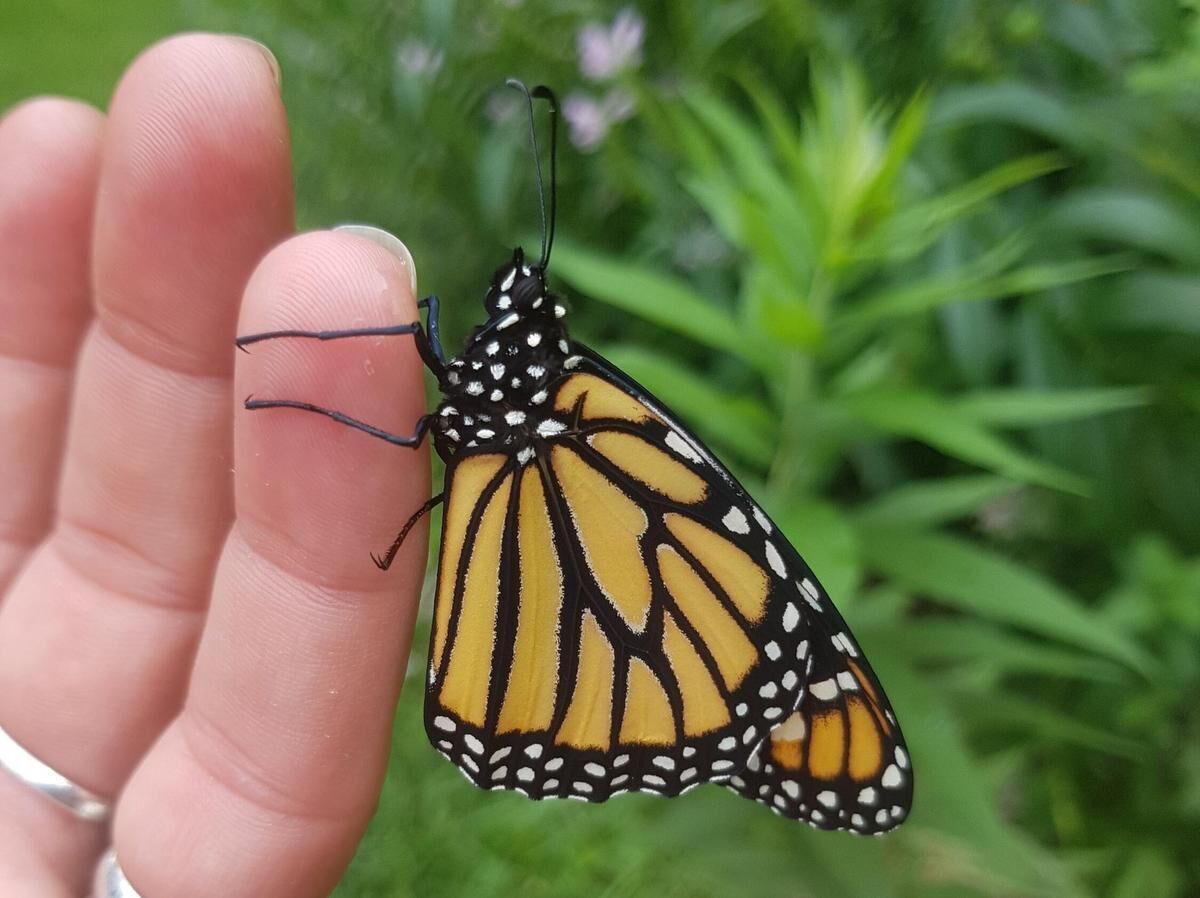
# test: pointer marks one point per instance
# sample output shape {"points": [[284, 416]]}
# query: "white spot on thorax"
{"points": [[496, 395], [509, 320], [474, 388], [508, 280], [562, 345], [534, 338], [497, 371], [492, 348], [573, 362], [535, 371], [539, 397]]}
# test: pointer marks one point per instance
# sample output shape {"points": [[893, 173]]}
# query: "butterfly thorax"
{"points": [[497, 391]]}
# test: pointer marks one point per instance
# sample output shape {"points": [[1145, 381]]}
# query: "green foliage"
{"points": [[927, 275]]}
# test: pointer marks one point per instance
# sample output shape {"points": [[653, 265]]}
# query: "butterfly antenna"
{"points": [[547, 226], [544, 93]]}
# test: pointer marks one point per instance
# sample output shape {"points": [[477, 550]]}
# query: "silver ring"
{"points": [[33, 773], [110, 881]]}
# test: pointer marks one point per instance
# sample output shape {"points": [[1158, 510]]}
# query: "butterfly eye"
{"points": [[528, 291]]}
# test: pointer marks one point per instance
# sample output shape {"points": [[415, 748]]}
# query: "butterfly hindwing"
{"points": [[613, 612], [839, 760]]}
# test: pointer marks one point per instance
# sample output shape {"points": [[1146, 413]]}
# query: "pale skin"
{"points": [[190, 621]]}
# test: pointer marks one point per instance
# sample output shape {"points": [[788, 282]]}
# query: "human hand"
{"points": [[190, 624]]}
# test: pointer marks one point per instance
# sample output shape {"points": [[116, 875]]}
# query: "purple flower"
{"points": [[605, 52], [589, 119]]}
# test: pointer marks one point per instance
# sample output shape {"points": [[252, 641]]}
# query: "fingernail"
{"points": [[390, 242], [276, 72]]}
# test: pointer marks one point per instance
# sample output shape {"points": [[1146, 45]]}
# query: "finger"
{"points": [[98, 632], [264, 784], [49, 161]]}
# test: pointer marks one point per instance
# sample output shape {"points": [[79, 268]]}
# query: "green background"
{"points": [[926, 273]]}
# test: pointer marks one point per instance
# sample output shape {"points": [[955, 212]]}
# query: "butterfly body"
{"points": [[613, 611], [495, 393]]}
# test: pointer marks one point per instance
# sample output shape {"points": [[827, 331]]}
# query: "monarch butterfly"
{"points": [[613, 611]]}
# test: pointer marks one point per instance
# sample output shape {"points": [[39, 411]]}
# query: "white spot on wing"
{"points": [[682, 446], [444, 723], [762, 519], [514, 417], [791, 617], [550, 427], [735, 520], [892, 778], [775, 560], [825, 690]]}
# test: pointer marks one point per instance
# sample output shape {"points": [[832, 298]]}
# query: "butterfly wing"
{"points": [[839, 760], [613, 612]]}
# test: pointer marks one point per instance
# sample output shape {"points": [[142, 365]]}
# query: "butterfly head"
{"points": [[519, 286]]}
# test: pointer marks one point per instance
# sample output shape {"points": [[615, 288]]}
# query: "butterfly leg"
{"points": [[431, 305], [428, 345], [385, 561], [411, 442]]}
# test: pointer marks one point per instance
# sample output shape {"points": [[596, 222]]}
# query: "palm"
{"points": [[189, 618]]}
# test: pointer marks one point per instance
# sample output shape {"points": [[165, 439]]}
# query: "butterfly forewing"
{"points": [[613, 614]]}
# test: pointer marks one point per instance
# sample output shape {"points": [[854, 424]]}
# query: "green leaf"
{"points": [[967, 286], [1148, 301], [927, 503], [1026, 408], [913, 229], [1006, 651], [1008, 712], [977, 581], [744, 426], [1136, 219], [935, 421], [1017, 104], [654, 296]]}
